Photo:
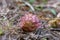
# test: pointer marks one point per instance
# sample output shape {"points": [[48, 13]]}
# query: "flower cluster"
{"points": [[29, 22]]}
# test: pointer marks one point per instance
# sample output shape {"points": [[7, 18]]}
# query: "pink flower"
{"points": [[29, 18]]}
